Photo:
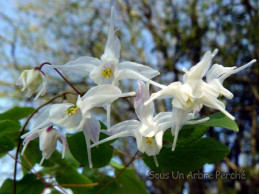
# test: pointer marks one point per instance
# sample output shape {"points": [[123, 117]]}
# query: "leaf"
{"points": [[190, 157], [66, 174], [29, 184], [220, 120], [188, 134], [5, 145], [126, 183], [31, 156], [101, 155], [9, 126], [16, 113]]}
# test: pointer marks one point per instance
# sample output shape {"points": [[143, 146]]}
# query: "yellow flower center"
{"points": [[72, 110], [107, 72], [188, 101], [149, 140]]}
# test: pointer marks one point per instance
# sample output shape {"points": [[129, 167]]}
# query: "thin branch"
{"points": [[118, 175], [23, 129], [63, 77]]}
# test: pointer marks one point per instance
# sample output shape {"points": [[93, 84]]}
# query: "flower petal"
{"points": [[130, 74], [179, 116], [112, 49], [146, 71], [82, 65], [93, 127], [144, 112], [59, 117], [41, 119]]}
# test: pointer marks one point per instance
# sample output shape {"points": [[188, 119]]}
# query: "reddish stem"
{"points": [[64, 78]]}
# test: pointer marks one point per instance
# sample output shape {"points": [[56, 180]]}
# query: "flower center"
{"points": [[188, 101], [107, 72], [72, 110], [149, 140]]}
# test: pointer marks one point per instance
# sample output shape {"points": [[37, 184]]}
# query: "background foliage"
{"points": [[166, 35]]}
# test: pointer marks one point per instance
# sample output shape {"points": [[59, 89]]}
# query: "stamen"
{"points": [[107, 72], [149, 140], [72, 110]]}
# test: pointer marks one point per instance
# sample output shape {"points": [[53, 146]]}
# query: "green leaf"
{"points": [[31, 156], [29, 184], [190, 157], [188, 134], [101, 155], [220, 120], [66, 174], [9, 126], [16, 113], [5, 145], [126, 183]]}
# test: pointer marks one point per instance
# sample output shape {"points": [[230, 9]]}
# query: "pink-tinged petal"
{"points": [[92, 125], [144, 112]]}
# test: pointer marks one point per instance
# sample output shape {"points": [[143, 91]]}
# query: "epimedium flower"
{"points": [[109, 70], [48, 138], [34, 81], [194, 92], [149, 130], [79, 117]]}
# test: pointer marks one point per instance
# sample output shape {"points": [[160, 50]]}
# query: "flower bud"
{"points": [[34, 81], [48, 141]]}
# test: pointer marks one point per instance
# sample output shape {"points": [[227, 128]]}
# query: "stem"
{"points": [[23, 129], [64, 78], [117, 176]]}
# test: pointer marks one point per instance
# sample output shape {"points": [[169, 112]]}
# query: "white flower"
{"points": [[34, 81], [79, 116], [108, 70], [149, 131], [48, 141], [186, 93]]}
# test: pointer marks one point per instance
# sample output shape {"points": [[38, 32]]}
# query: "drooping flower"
{"points": [[34, 81], [47, 141], [109, 70], [149, 131], [79, 116]]}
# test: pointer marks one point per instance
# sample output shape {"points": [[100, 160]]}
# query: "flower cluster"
{"points": [[188, 97]]}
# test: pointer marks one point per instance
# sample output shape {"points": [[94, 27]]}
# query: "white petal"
{"points": [[100, 96], [41, 119], [223, 77], [216, 71], [93, 127], [146, 71], [87, 138], [130, 74], [65, 146], [144, 112], [167, 92], [59, 116], [163, 121], [194, 122], [112, 49], [199, 70], [82, 65], [179, 116]]}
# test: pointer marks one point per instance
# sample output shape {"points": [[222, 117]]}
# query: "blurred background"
{"points": [[166, 35]]}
